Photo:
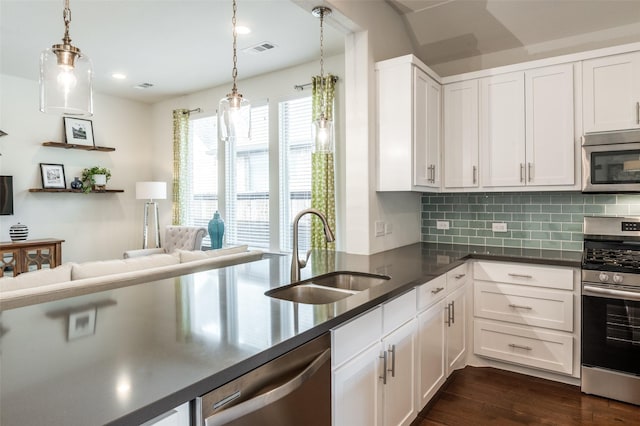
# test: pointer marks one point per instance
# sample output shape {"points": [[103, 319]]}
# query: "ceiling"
{"points": [[178, 46], [183, 46], [499, 32]]}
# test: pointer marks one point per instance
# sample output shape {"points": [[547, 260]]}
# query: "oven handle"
{"points": [[261, 401], [588, 290]]}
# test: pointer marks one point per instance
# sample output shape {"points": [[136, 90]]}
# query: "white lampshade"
{"points": [[151, 190]]}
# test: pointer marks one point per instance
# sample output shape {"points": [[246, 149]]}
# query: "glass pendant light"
{"points": [[322, 126], [65, 76], [234, 111]]}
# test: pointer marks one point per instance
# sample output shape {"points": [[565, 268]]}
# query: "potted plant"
{"points": [[95, 178]]}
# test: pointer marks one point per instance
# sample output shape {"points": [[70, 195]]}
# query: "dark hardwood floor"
{"points": [[486, 396]]}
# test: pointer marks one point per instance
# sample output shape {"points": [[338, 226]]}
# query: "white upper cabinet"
{"points": [[550, 133], [461, 134], [409, 127], [502, 134], [527, 128], [611, 93]]}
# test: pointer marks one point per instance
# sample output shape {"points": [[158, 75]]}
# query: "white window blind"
{"points": [[295, 170], [203, 173], [247, 192]]}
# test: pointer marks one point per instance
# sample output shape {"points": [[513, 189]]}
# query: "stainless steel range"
{"points": [[611, 308]]}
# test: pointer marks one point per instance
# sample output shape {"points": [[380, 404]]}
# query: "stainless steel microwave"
{"points": [[611, 162]]}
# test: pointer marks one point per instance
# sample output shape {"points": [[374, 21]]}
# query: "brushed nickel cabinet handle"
{"points": [[637, 112], [520, 275], [514, 346], [529, 171], [437, 290], [384, 368], [457, 277], [521, 172], [453, 312], [475, 171], [392, 350], [448, 320], [511, 305]]}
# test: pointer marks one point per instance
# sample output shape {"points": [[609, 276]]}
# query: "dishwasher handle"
{"points": [[261, 401]]}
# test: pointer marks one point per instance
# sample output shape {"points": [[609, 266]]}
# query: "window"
{"points": [[244, 201]]}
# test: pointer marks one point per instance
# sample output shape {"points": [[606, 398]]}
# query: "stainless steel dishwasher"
{"points": [[293, 389]]}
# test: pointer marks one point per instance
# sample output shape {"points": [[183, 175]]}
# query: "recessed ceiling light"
{"points": [[118, 76], [242, 30]]}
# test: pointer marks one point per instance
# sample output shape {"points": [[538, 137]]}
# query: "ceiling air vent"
{"points": [[143, 86], [260, 47]]}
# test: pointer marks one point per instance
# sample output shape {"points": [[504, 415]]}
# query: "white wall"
{"points": [[274, 87], [94, 226]]}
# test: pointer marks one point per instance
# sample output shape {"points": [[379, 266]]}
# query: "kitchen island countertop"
{"points": [[147, 348]]}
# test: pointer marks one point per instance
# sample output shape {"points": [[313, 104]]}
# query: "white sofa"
{"points": [[74, 279]]}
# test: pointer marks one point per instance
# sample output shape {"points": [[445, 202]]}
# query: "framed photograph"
{"points": [[78, 131], [82, 323], [52, 176]]}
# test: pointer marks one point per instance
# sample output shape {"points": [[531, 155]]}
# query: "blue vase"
{"points": [[216, 231]]}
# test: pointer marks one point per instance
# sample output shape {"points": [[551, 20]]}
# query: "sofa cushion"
{"points": [[37, 278], [190, 256], [116, 266]]}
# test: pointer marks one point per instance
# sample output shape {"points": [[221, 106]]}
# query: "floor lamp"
{"points": [[151, 191]]}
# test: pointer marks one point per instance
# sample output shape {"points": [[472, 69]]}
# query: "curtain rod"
{"points": [[300, 87]]}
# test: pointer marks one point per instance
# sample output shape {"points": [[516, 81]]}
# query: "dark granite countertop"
{"points": [[150, 347]]}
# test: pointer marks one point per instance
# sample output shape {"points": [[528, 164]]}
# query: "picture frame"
{"points": [[82, 323], [78, 131], [52, 176]]}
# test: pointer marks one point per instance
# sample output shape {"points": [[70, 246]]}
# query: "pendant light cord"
{"points": [[66, 15], [322, 45], [234, 73]]}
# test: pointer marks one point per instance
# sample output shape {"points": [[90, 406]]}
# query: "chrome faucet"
{"points": [[296, 262]]}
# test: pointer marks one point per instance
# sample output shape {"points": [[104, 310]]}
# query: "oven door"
{"points": [[611, 168], [611, 328]]}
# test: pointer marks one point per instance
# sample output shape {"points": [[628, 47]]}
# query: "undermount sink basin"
{"points": [[327, 288]]}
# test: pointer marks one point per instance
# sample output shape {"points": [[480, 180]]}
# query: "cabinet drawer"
{"points": [[524, 345], [432, 291], [519, 273], [524, 305], [458, 277], [398, 311], [356, 335]]}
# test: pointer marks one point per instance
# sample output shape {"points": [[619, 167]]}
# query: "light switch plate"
{"points": [[379, 228]]}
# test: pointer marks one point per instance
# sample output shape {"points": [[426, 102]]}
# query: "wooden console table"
{"points": [[17, 257]]}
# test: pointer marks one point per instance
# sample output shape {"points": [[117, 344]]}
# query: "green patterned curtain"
{"points": [[322, 165], [180, 165]]}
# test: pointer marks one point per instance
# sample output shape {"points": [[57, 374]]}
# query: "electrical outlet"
{"points": [[499, 227], [379, 228], [388, 229], [442, 224]]}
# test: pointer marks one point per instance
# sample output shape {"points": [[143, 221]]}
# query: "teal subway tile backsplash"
{"points": [[547, 220]]}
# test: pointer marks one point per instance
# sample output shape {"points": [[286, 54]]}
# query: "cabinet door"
{"points": [[611, 91], [356, 397], [399, 402], [550, 138], [426, 122], [456, 316], [461, 134], [502, 136], [430, 367]]}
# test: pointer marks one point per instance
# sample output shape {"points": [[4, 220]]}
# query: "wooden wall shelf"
{"points": [[74, 146], [79, 191]]}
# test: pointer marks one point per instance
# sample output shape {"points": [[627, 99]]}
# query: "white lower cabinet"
{"points": [[431, 352], [526, 315], [456, 330], [376, 386], [179, 416]]}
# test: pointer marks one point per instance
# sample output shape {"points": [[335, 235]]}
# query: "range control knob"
{"points": [[604, 277], [617, 278]]}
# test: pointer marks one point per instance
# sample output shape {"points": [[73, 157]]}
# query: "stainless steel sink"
{"points": [[327, 288]]}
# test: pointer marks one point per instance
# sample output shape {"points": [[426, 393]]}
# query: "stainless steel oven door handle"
{"points": [[588, 290], [261, 401]]}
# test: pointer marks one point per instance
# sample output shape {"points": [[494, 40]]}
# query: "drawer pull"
{"points": [[437, 290], [514, 346], [511, 305], [520, 275], [457, 277], [392, 349]]}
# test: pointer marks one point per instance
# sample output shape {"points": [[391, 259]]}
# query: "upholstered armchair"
{"points": [[175, 238]]}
